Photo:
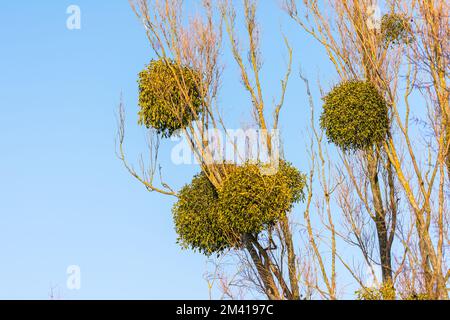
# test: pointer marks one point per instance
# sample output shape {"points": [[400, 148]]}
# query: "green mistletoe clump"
{"points": [[355, 115], [212, 220], [197, 217], [396, 29], [169, 96]]}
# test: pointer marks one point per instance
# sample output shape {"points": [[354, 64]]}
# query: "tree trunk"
{"points": [[384, 242], [264, 273]]}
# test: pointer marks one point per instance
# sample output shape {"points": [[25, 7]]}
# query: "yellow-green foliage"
{"points": [[418, 296], [210, 220], [251, 202], [162, 105], [386, 292], [196, 217], [355, 115], [396, 29]]}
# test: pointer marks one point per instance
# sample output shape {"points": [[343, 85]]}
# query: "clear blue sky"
{"points": [[65, 198]]}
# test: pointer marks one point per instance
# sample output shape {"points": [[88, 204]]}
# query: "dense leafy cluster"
{"points": [[395, 29], [211, 220], [197, 218], [250, 201], [355, 115], [418, 296], [162, 104], [385, 292]]}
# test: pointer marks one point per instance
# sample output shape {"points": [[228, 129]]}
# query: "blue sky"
{"points": [[65, 199]]}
